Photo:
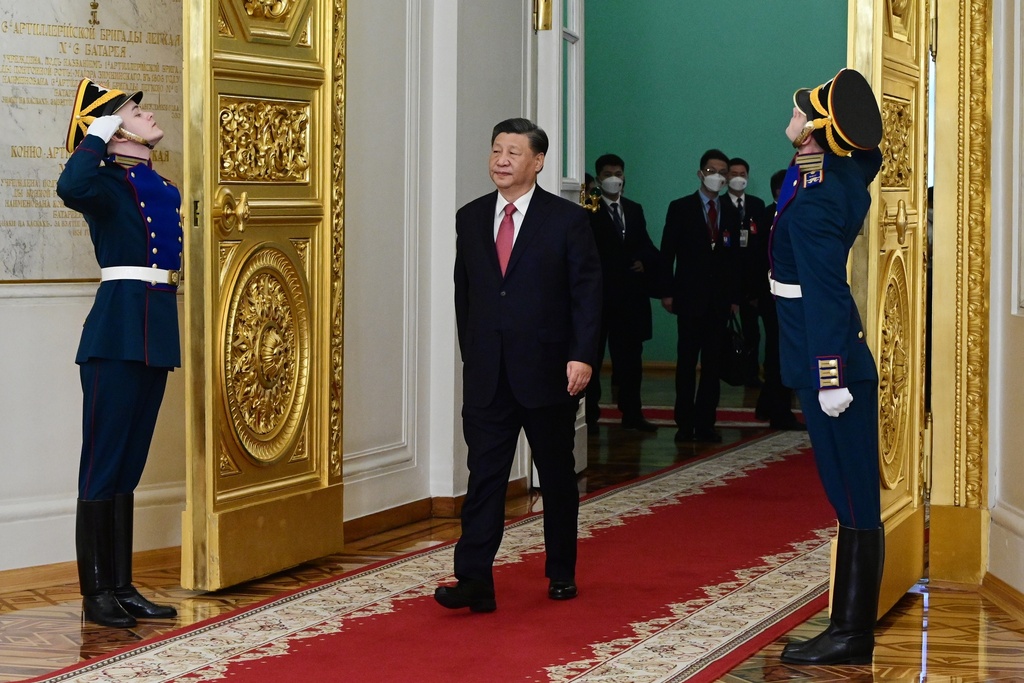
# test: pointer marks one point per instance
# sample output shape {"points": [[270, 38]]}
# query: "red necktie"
{"points": [[503, 243], [712, 222]]}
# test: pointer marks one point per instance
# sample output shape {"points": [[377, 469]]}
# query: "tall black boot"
{"points": [[850, 636], [94, 524], [127, 595]]}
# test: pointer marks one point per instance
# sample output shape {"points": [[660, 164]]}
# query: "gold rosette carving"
{"points": [[893, 374], [266, 355]]}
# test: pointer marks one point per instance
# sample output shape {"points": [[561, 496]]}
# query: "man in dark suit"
{"points": [[629, 265], [775, 400], [699, 287], [741, 216], [130, 338], [836, 129], [528, 309]]}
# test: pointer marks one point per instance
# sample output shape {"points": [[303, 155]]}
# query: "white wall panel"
{"points": [[40, 418], [1006, 391]]}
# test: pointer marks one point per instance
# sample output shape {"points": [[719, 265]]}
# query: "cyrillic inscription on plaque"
{"points": [[45, 50]]}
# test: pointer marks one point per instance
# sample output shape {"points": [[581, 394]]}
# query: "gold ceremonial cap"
{"points": [[91, 102], [844, 111]]}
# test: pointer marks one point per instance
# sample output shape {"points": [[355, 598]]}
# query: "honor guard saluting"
{"points": [[836, 129], [130, 337]]}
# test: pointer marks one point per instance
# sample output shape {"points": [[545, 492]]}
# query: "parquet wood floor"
{"points": [[932, 634]]}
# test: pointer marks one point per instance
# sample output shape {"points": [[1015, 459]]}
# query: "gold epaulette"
{"points": [[810, 162]]}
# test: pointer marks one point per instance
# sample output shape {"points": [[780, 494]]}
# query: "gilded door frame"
{"points": [[960, 356], [954, 442], [888, 44], [272, 521]]}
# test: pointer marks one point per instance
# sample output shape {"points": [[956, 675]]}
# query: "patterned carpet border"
{"points": [[698, 633]]}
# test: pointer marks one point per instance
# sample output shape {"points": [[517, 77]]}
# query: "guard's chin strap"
{"points": [[132, 137], [809, 128]]}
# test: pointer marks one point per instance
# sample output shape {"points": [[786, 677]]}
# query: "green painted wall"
{"points": [[667, 80]]}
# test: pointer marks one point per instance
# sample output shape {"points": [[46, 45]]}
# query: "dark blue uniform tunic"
{"points": [[821, 209], [130, 337]]}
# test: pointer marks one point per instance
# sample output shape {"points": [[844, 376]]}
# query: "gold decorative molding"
{"points": [[228, 467], [223, 27], [894, 374], [337, 241], [972, 196], [304, 38], [901, 17], [263, 140], [301, 452], [897, 148], [268, 9], [302, 249], [266, 355], [224, 251]]}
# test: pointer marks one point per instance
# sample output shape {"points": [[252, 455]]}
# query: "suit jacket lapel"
{"points": [[485, 231]]}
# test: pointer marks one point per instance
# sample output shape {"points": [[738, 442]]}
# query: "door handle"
{"points": [[229, 213], [897, 220]]}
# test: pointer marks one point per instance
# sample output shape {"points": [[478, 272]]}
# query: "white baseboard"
{"points": [[40, 531]]}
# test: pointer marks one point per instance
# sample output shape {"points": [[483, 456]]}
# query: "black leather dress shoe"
{"points": [[684, 436], [562, 590], [707, 436], [793, 425], [639, 424], [139, 607], [477, 597]]}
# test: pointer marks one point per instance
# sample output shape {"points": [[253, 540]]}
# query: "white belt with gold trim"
{"points": [[786, 291], [153, 275]]}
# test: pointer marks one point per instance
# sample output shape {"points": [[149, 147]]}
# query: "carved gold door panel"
{"points": [[894, 249], [264, 176]]}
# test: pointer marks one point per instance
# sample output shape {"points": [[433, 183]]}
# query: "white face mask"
{"points": [[714, 182], [738, 183], [612, 185]]}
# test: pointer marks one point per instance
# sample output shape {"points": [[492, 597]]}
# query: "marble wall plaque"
{"points": [[46, 48]]}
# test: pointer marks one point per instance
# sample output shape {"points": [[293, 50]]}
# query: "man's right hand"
{"points": [[666, 303], [104, 127]]}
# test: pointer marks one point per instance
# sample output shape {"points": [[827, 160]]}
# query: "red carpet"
{"points": [[682, 575]]}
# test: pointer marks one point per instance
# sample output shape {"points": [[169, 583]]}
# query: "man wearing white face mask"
{"points": [[741, 215], [698, 286], [629, 271]]}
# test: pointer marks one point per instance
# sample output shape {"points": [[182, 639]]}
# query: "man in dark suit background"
{"points": [[629, 264], [775, 401], [741, 216], [699, 286], [528, 310]]}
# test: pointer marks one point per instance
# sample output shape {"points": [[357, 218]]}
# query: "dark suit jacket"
{"points": [[627, 294], [134, 220], [753, 276], [821, 211], [545, 311], [700, 280]]}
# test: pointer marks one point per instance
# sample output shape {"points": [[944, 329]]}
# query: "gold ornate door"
{"points": [[889, 43], [264, 96]]}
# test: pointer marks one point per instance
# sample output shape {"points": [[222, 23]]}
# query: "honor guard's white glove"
{"points": [[104, 127], [834, 401]]}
